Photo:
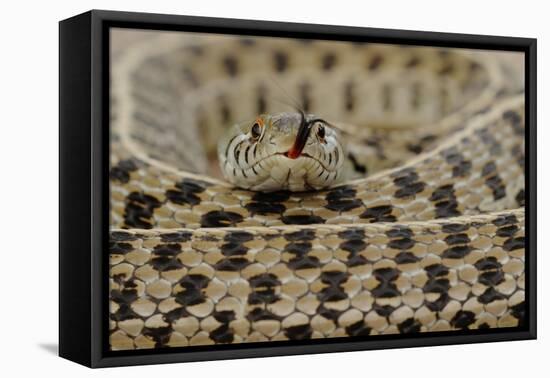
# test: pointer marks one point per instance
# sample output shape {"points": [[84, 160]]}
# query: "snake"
{"points": [[271, 189]]}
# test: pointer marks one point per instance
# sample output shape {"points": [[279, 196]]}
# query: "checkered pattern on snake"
{"points": [[430, 237]]}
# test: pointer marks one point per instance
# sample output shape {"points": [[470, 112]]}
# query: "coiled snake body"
{"points": [[424, 233]]}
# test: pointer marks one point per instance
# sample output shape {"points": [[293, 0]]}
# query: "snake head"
{"points": [[285, 151]]}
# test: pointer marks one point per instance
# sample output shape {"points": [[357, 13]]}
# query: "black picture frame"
{"points": [[84, 188]]}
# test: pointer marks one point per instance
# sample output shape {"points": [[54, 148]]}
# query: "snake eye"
{"points": [[256, 130], [321, 132]]}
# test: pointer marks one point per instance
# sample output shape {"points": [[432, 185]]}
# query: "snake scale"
{"points": [[427, 234]]}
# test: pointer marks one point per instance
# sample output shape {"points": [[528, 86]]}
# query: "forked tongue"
{"points": [[301, 138]]}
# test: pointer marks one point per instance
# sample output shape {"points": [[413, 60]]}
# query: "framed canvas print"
{"points": [[234, 188]]}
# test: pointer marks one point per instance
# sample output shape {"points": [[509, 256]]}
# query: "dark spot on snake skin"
{"points": [[349, 97], [386, 287], [475, 66], [488, 168], [238, 236], [517, 152], [447, 205], [233, 249], [232, 264], [122, 236], [175, 314], [281, 61], [258, 314], [440, 303], [490, 295], [223, 334], [196, 50], [457, 239], [414, 148], [399, 232], [220, 219], [491, 278], [383, 310], [515, 120], [436, 281], [457, 252], [224, 316], [404, 243], [451, 228], [264, 289], [279, 196], [436, 270], [483, 326], [343, 204], [413, 62], [379, 214], [124, 312], [160, 335], [405, 177], [518, 312], [247, 41], [127, 294], [447, 69], [497, 186], [488, 139], [186, 192], [488, 263], [520, 198], [461, 166], [265, 208], [261, 102], [298, 248], [357, 167], [512, 244], [409, 325], [406, 258], [299, 332], [139, 210], [302, 235], [491, 271], [503, 220], [165, 257], [353, 233], [300, 259], [328, 61], [193, 286], [463, 319], [176, 237], [442, 192], [120, 247], [302, 219], [507, 231], [231, 65], [375, 62], [225, 112], [327, 313], [334, 290], [358, 329], [353, 245], [121, 172], [410, 191], [462, 169]]}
